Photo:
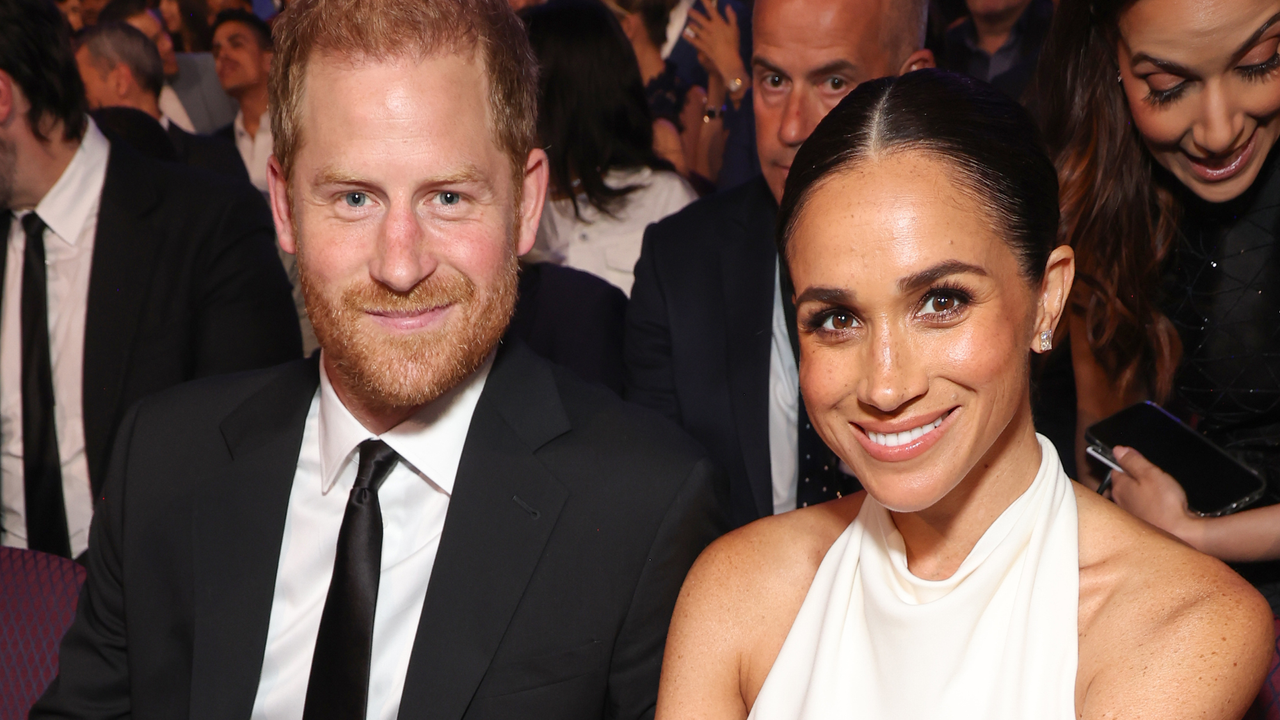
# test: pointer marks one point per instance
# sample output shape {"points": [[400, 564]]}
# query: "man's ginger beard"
{"points": [[386, 371]]}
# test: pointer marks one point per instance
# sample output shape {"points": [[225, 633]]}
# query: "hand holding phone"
{"points": [[1215, 483]]}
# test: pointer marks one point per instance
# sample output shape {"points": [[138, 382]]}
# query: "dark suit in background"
{"points": [[184, 283], [572, 523], [208, 152], [699, 330], [574, 319]]}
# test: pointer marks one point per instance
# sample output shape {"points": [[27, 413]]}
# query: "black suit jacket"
{"points": [[574, 319], [185, 282], [209, 152], [699, 327], [573, 521]]}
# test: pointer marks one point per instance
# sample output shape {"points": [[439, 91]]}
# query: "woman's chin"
{"points": [[902, 496]]}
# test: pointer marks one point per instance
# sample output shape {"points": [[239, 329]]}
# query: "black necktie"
{"points": [[819, 478], [46, 515], [339, 685]]}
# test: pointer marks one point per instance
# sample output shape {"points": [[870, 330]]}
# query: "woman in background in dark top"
{"points": [[1162, 115]]}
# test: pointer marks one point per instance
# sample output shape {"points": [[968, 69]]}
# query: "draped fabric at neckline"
{"points": [[997, 639]]}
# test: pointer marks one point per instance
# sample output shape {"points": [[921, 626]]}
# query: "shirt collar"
{"points": [[431, 440], [73, 200], [264, 123]]}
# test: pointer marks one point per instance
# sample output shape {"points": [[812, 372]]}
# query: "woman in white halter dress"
{"points": [[973, 578]]}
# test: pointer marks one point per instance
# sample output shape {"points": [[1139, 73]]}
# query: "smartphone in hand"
{"points": [[1215, 483]]}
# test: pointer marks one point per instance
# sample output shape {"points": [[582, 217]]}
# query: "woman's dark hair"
{"points": [[989, 141], [35, 50], [1120, 219], [592, 112], [195, 34]]}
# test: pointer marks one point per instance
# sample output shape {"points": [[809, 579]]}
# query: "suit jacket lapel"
{"points": [[238, 528], [748, 289], [124, 253], [504, 506]]}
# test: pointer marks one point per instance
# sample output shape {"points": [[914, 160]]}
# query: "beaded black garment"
{"points": [[1222, 292]]}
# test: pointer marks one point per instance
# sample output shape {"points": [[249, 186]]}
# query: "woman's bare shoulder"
{"points": [[1165, 631], [737, 606], [771, 558]]}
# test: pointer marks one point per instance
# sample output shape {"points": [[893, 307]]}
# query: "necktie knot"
{"points": [[33, 226], [377, 459]]}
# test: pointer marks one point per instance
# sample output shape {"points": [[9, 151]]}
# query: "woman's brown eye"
{"points": [[943, 303], [841, 321]]}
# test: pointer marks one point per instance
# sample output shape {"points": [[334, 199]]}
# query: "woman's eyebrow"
{"points": [[937, 272]]}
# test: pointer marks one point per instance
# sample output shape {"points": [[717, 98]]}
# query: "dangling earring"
{"points": [[1119, 78], [1046, 341]]}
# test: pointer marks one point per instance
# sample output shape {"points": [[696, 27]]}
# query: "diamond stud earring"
{"points": [[1046, 341]]}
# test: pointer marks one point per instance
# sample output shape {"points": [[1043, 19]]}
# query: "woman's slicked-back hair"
{"points": [[988, 141]]}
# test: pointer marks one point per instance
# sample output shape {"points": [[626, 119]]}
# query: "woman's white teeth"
{"points": [[904, 437]]}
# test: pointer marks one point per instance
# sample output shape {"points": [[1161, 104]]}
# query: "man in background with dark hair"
{"points": [[122, 68], [122, 276], [711, 332], [242, 51], [191, 96]]}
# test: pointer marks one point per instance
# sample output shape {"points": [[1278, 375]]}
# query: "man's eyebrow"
{"points": [[467, 174], [1176, 69], [833, 68], [936, 273], [825, 295], [763, 64]]}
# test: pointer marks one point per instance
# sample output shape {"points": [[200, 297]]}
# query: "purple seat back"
{"points": [[38, 594]]}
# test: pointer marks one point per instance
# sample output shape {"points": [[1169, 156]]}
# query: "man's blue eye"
{"points": [[450, 198], [356, 199]]}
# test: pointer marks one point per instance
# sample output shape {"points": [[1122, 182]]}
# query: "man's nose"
{"points": [[799, 118], [403, 257]]}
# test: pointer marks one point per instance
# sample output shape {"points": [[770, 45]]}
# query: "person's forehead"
{"points": [[838, 27]]}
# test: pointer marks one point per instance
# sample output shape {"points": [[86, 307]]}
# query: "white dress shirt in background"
{"points": [[609, 246], [171, 107], [70, 210], [255, 150], [784, 407], [413, 500]]}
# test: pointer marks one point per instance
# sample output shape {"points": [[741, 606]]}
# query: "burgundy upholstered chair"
{"points": [[38, 594]]}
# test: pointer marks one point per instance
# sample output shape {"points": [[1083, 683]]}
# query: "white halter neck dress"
{"points": [[997, 640]]}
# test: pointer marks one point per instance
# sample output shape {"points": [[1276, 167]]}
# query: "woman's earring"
{"points": [[1046, 341], [1119, 78]]}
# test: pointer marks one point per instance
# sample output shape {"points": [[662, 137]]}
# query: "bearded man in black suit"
{"points": [[417, 523]]}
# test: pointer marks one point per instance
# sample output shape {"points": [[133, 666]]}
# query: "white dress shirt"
{"points": [[255, 150], [675, 25], [608, 246], [784, 407], [171, 107], [70, 210], [413, 500]]}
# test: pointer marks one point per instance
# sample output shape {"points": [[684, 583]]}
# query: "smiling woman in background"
{"points": [[1162, 116], [972, 578]]}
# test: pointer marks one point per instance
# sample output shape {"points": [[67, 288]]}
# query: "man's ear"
{"points": [[534, 193], [8, 104], [1055, 290], [121, 81], [919, 60], [281, 208], [267, 59]]}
